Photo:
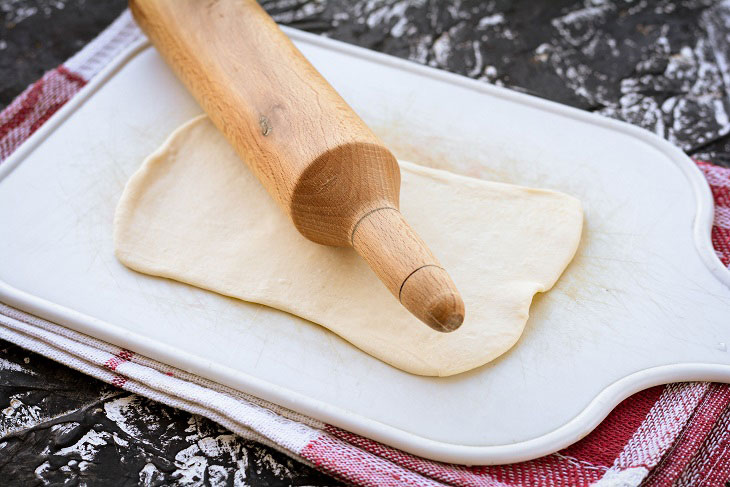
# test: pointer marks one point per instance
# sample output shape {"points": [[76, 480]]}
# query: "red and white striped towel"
{"points": [[677, 434]]}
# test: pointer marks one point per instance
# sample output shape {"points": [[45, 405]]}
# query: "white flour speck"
{"points": [[18, 416], [121, 410], [8, 365], [150, 475], [442, 49], [88, 445], [217, 476], [190, 465], [491, 20]]}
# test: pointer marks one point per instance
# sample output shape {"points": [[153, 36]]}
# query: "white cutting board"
{"points": [[645, 302]]}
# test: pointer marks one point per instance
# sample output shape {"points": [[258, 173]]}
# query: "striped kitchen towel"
{"points": [[678, 434]]}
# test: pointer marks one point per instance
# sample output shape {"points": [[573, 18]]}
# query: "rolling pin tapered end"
{"points": [[430, 294], [408, 268], [446, 313]]}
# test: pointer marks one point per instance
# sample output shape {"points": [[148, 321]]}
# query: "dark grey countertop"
{"points": [[662, 65]]}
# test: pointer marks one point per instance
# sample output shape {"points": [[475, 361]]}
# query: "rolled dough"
{"points": [[194, 213]]}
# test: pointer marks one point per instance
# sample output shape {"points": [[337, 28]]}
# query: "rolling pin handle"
{"points": [[408, 268]]}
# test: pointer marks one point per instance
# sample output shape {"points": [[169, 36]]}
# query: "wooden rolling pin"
{"points": [[314, 155]]}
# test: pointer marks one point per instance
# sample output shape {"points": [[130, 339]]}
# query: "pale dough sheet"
{"points": [[195, 213]]}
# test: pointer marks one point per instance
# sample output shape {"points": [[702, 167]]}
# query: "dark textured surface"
{"points": [[38, 35], [59, 427], [658, 64]]}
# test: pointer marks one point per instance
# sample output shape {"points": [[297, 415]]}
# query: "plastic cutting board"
{"points": [[646, 301]]}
